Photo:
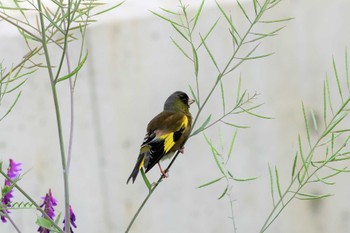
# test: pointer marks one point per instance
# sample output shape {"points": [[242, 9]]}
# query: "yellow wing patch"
{"points": [[169, 137]]}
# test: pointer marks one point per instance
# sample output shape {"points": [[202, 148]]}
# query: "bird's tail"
{"points": [[136, 169]]}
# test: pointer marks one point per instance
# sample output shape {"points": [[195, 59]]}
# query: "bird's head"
{"points": [[178, 101]]}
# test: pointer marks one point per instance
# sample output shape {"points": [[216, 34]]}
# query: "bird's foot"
{"points": [[165, 174], [182, 150]]}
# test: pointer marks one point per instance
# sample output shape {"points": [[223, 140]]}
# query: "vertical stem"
{"points": [[11, 221], [58, 117]]}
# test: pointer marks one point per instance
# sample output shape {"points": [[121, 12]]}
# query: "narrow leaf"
{"points": [[255, 7], [166, 19], [231, 145], [180, 32], [294, 164], [211, 182], [244, 179], [145, 179], [75, 71], [208, 33], [194, 95], [306, 125], [181, 49], [337, 79], [271, 186], [276, 21], [234, 30], [110, 8], [244, 12], [314, 121], [235, 125], [347, 70], [196, 17], [12, 106], [202, 127], [210, 54], [278, 184], [214, 152], [308, 197], [223, 193]]}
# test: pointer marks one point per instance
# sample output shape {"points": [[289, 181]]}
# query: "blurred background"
{"points": [[132, 68]]}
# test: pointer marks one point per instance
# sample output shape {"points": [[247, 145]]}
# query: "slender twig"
{"points": [[281, 204], [224, 72], [58, 118], [10, 219], [31, 200]]}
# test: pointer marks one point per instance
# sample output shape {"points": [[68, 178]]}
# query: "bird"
{"points": [[166, 133]]}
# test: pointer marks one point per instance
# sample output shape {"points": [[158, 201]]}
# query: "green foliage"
{"points": [[47, 29], [320, 161], [187, 28]]}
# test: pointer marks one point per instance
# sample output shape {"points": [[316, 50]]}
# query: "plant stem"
{"points": [[11, 221], [31, 200], [58, 118], [224, 72]]}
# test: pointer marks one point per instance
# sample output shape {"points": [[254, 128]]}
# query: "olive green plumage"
{"points": [[166, 133]]}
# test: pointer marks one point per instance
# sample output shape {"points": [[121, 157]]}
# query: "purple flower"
{"points": [[13, 173], [72, 220], [48, 204]]}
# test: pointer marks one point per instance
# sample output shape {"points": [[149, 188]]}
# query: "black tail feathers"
{"points": [[133, 174], [135, 171]]}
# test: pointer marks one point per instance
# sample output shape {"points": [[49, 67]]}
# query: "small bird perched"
{"points": [[166, 133]]}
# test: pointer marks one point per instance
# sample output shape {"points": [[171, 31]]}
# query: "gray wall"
{"points": [[132, 68]]}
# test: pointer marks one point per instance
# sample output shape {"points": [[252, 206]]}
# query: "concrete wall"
{"points": [[131, 69]]}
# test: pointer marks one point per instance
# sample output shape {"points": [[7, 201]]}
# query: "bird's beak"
{"points": [[190, 101]]}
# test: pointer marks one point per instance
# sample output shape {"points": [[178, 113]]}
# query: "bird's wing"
{"points": [[162, 133]]}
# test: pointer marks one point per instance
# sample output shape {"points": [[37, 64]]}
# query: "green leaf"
{"points": [[264, 35], [181, 49], [255, 7], [45, 223], [235, 125], [233, 28], [167, 19], [294, 164], [332, 126], [325, 103], [200, 129], [196, 17], [223, 193], [305, 163], [222, 90], [244, 12], [169, 11], [278, 184], [337, 79], [308, 197], [231, 145], [215, 153], [277, 20], [180, 32], [12, 106], [244, 179], [314, 121], [208, 33], [210, 54], [75, 71], [194, 95], [347, 70], [256, 57], [306, 125], [210, 182], [271, 186], [110, 8], [145, 179]]}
